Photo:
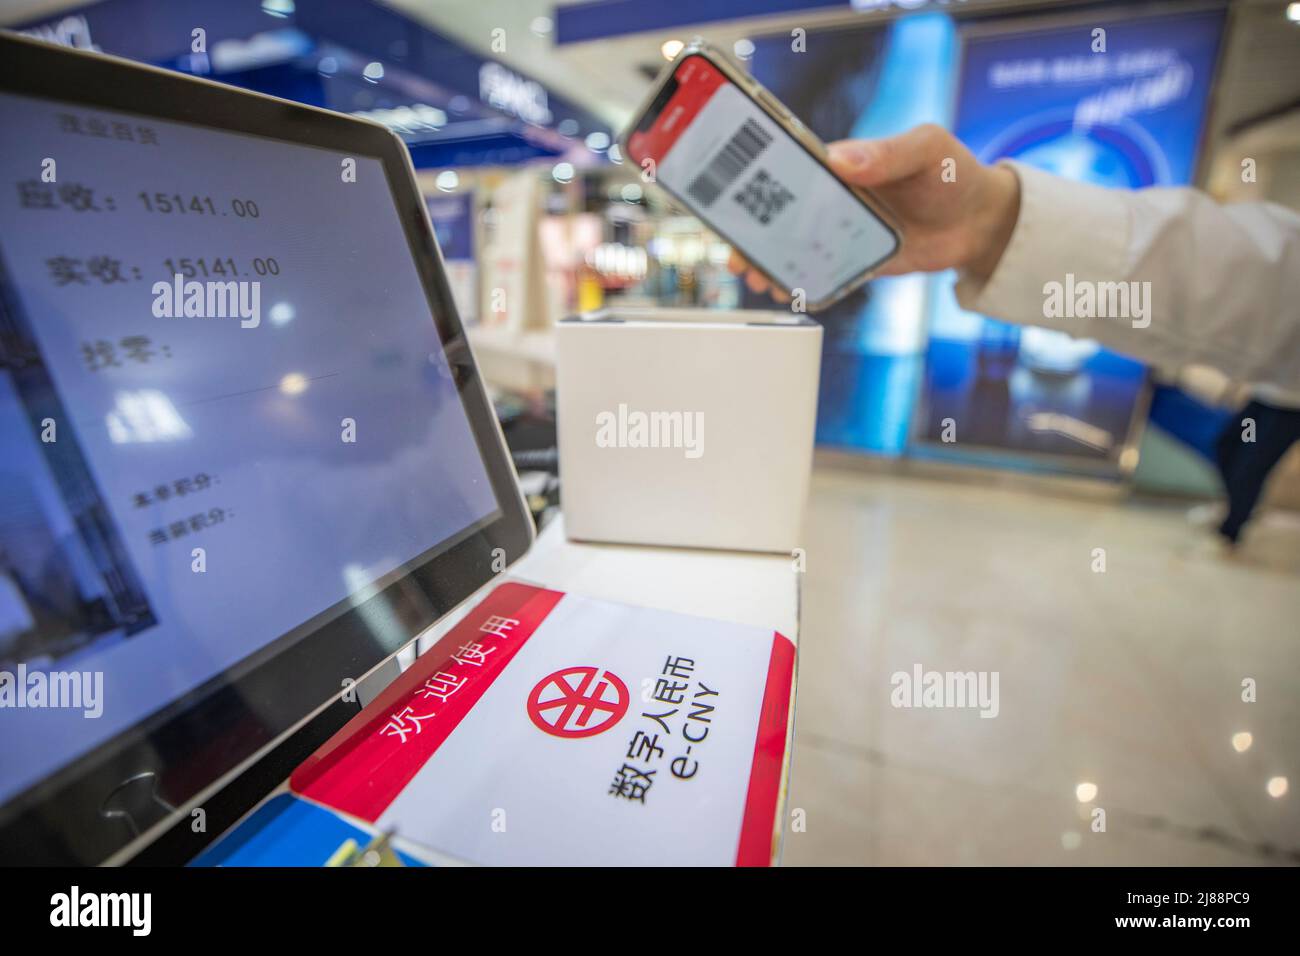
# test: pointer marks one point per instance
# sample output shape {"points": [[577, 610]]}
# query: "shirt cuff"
{"points": [[1063, 227]]}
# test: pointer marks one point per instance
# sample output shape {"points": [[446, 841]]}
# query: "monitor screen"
{"points": [[225, 411]]}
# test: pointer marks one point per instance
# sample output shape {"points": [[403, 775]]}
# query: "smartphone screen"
{"points": [[757, 186]]}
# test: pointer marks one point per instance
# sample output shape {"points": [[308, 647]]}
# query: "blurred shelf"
{"points": [[513, 359], [531, 346]]}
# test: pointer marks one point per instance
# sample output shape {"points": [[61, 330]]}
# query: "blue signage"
{"points": [[1119, 103], [357, 57]]}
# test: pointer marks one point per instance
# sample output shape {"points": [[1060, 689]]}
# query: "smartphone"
{"points": [[742, 163]]}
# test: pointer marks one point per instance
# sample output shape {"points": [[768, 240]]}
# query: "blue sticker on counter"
{"points": [[287, 831]]}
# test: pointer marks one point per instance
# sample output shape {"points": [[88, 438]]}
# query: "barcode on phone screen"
{"points": [[741, 150]]}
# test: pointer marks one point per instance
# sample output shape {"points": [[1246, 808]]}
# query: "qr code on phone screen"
{"points": [[764, 197]]}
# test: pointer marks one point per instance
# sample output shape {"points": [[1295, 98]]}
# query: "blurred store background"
{"points": [[511, 110]]}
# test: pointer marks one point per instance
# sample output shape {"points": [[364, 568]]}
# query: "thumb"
{"points": [[878, 162]]}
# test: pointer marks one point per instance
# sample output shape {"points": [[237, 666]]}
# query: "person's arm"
{"points": [[1203, 283], [1031, 248]]}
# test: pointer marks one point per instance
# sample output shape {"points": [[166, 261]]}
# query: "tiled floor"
{"points": [[1129, 679]]}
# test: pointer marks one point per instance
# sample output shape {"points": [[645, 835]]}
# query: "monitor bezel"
{"points": [[297, 676]]}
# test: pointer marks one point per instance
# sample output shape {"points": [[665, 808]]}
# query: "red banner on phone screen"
{"points": [[697, 81]]}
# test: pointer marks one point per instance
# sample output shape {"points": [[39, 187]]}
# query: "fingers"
{"points": [[738, 265], [878, 162], [755, 280], [894, 267]]}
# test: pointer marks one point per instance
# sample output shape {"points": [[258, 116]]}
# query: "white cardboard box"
{"points": [[687, 427]]}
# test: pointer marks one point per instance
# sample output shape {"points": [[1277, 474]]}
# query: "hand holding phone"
{"points": [[963, 224], [955, 212], [738, 160]]}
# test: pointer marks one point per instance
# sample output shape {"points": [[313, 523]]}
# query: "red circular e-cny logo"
{"points": [[578, 702]]}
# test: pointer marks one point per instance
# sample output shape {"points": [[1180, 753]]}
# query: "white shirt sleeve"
{"points": [[1205, 284]]}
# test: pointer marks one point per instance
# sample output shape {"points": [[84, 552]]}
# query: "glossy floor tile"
{"points": [[1121, 641]]}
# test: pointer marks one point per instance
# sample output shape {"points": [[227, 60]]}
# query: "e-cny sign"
{"points": [[564, 703]]}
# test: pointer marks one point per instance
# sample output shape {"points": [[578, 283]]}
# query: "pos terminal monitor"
{"points": [[245, 452]]}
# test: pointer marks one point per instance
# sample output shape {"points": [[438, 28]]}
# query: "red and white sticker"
{"points": [[554, 729], [565, 703]]}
